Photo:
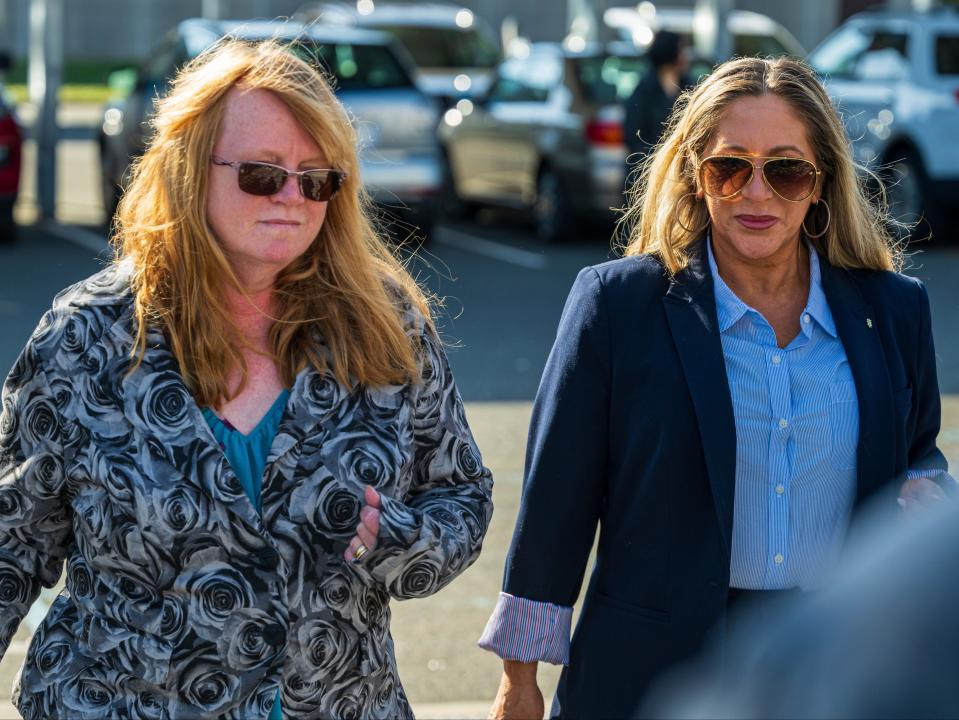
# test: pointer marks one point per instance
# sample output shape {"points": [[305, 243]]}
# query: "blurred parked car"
{"points": [[11, 140], [548, 137], [895, 78], [454, 50], [753, 33], [396, 122]]}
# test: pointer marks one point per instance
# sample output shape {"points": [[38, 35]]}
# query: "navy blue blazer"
{"points": [[633, 428]]}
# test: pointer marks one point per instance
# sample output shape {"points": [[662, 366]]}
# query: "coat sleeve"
{"points": [[436, 531], [566, 456], [34, 521]]}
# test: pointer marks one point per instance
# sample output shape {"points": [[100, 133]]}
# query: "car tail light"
{"points": [[10, 141], [604, 132]]}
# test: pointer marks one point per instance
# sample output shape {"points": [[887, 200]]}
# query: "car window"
{"points": [[163, 63], [765, 45], [356, 67], [445, 47], [947, 54], [526, 80], [610, 79], [841, 54]]}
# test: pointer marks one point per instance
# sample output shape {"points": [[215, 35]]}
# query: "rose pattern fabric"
{"points": [[181, 601]]}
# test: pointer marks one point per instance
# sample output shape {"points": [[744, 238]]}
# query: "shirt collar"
{"points": [[729, 308]]}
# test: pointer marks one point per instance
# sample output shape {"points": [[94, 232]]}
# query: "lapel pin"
{"points": [[868, 322]]}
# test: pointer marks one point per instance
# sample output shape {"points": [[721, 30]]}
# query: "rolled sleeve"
{"points": [[942, 478], [528, 630]]}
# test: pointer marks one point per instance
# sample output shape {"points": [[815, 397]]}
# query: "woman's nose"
{"points": [[757, 188]]}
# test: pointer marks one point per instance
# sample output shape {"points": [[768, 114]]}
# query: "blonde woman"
{"points": [[718, 402], [242, 438]]}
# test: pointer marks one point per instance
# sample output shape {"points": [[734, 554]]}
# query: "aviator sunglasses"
{"points": [[261, 178], [724, 176]]}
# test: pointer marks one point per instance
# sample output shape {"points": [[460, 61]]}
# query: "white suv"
{"points": [[895, 78]]}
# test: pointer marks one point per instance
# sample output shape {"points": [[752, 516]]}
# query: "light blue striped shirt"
{"points": [[797, 429]]}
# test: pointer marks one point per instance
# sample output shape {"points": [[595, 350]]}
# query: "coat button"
{"points": [[269, 558], [274, 634]]}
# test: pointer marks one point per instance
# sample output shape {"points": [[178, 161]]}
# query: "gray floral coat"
{"points": [[180, 600]]}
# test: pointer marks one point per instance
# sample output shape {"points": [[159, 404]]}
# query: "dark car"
{"points": [[548, 137], [454, 50], [395, 121], [11, 141]]}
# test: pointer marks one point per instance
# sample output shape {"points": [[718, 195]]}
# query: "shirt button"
{"points": [[779, 558], [783, 423], [776, 359], [805, 318], [780, 489]]}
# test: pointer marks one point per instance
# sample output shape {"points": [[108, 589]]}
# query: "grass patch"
{"points": [[84, 81], [96, 94], [75, 72]]}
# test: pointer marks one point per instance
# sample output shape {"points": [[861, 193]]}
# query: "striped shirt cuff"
{"points": [[941, 477], [528, 631]]}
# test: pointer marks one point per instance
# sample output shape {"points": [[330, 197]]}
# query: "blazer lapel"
{"points": [[168, 421], [858, 329], [691, 312]]}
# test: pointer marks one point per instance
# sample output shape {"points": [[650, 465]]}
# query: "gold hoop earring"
{"points": [[828, 219], [680, 222]]}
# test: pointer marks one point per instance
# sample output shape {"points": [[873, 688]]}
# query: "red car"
{"points": [[11, 140]]}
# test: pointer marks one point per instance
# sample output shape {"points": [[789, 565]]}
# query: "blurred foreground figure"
{"points": [[242, 437], [719, 402], [882, 641]]}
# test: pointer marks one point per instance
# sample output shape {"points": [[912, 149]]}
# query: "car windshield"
{"points": [[610, 79], [445, 47], [947, 54], [853, 48], [356, 67]]}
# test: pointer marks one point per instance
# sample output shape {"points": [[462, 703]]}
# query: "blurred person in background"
{"points": [[242, 437], [719, 401], [882, 641], [649, 107]]}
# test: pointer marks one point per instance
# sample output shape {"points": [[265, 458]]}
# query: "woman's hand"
{"points": [[518, 697], [920, 493], [367, 529]]}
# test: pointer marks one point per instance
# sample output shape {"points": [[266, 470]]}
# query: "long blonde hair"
{"points": [[348, 284], [662, 217]]}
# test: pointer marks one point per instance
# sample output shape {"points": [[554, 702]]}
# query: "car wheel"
{"points": [[910, 202], [8, 228], [551, 214]]}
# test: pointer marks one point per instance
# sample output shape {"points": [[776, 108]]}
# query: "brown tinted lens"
{"points": [[319, 185], [260, 179], [792, 179], [725, 176]]}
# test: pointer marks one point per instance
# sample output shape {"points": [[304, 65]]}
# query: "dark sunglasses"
{"points": [[724, 176], [261, 178]]}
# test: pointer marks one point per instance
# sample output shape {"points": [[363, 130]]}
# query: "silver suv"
{"points": [[895, 78]]}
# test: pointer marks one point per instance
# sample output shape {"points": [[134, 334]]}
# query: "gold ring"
{"points": [[360, 552]]}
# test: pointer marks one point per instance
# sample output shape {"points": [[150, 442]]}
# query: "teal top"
{"points": [[247, 456]]}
